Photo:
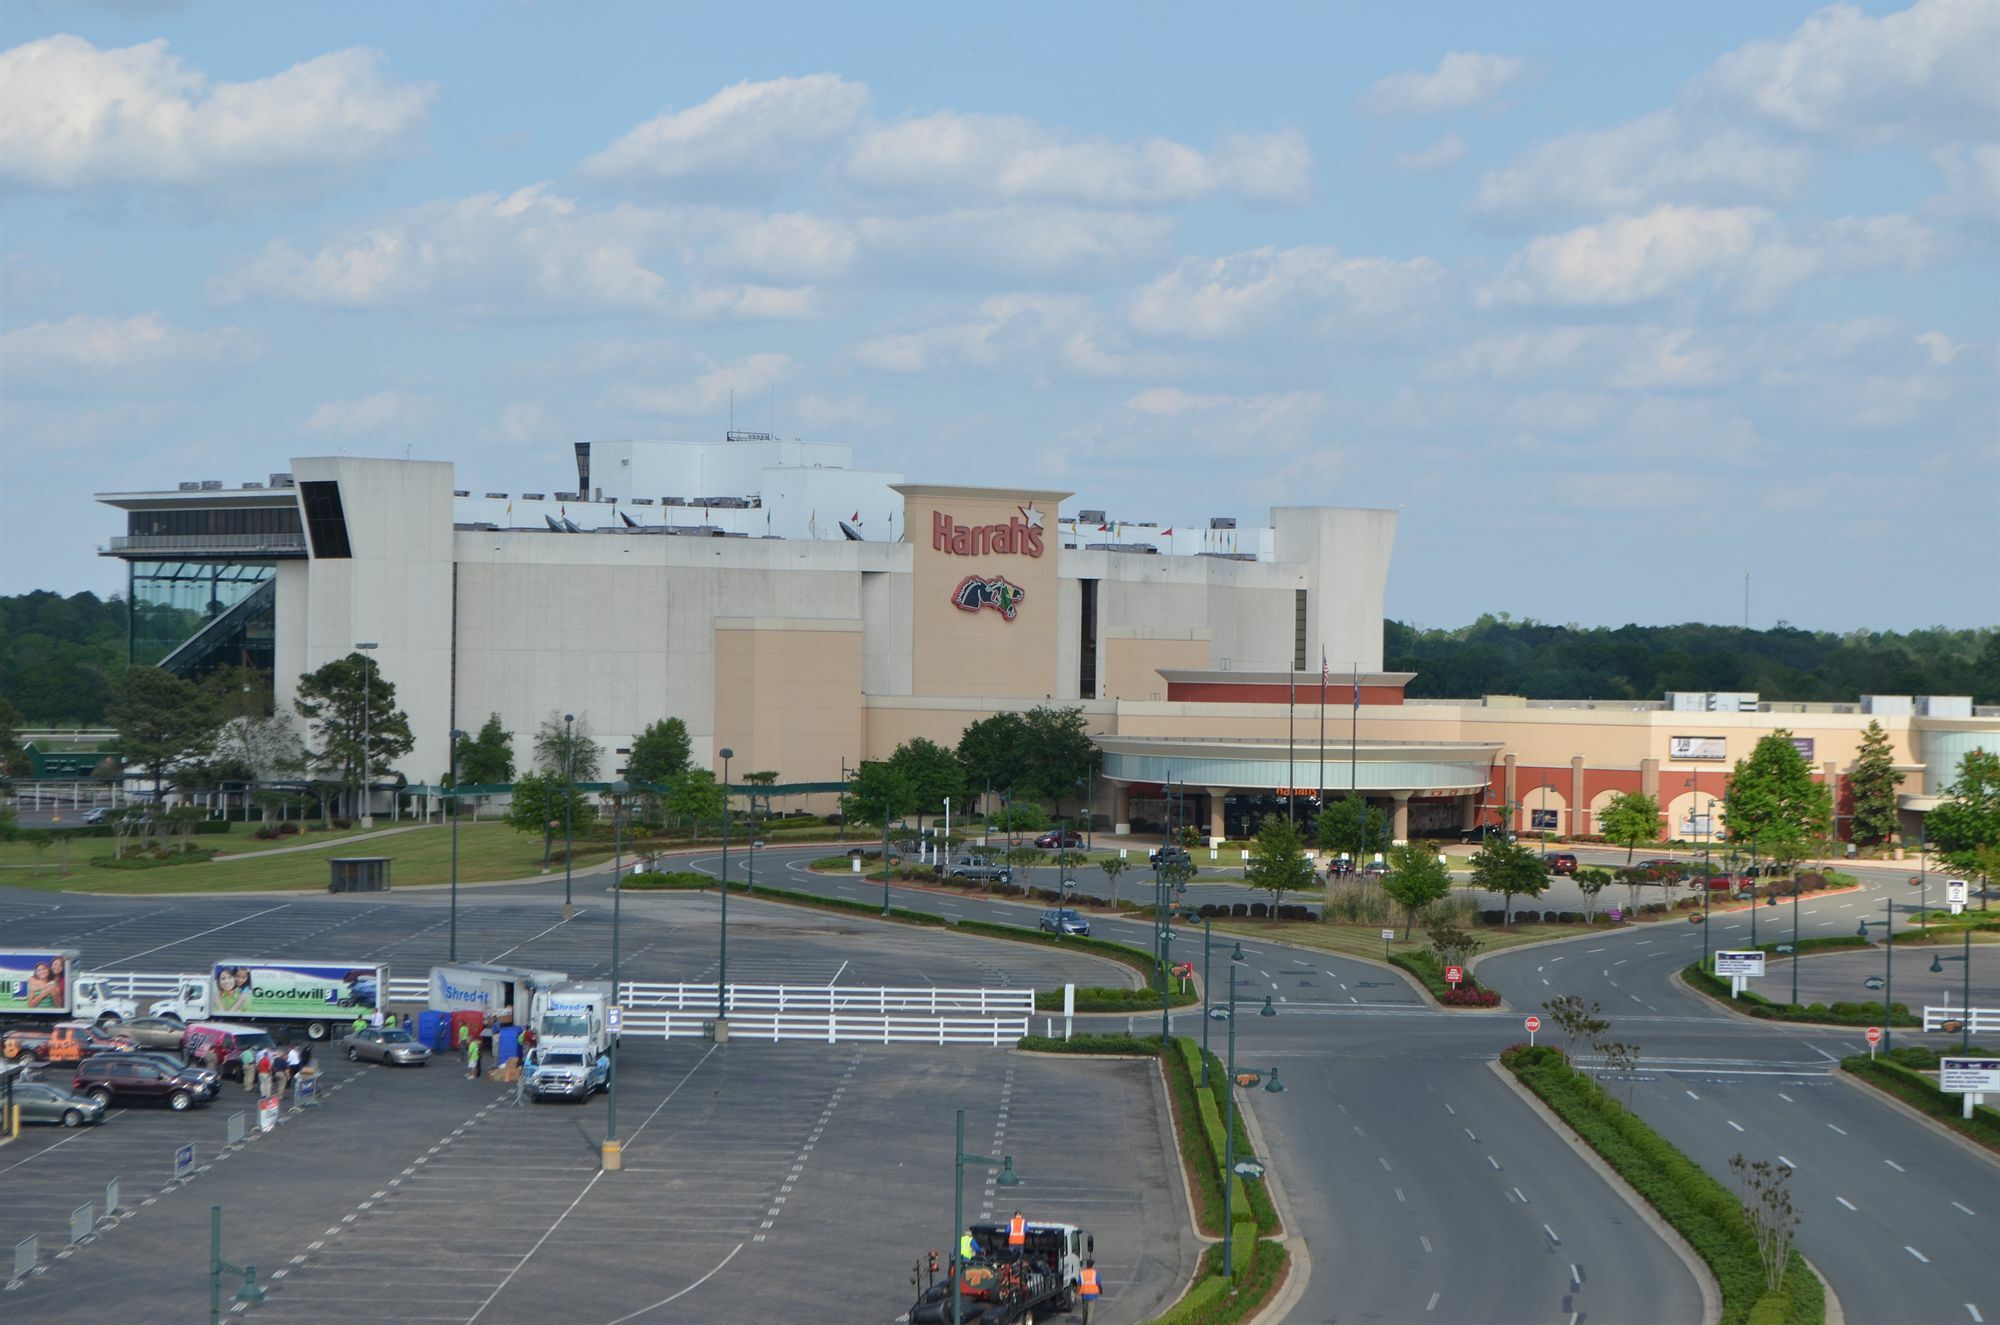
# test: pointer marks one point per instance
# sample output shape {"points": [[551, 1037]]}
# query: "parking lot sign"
{"points": [[184, 1162], [1975, 1076], [1454, 974], [614, 1018], [1955, 895], [1747, 963]]}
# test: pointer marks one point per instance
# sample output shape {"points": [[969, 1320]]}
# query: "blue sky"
{"points": [[1616, 302]]}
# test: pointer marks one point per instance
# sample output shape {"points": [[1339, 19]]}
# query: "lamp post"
{"points": [[569, 797], [1207, 930], [1923, 884], [1163, 931], [1090, 810], [614, 1153], [1965, 1020], [1795, 941], [1007, 1178], [1544, 816], [1229, 1117], [367, 729], [1888, 967], [886, 809], [722, 962], [456, 737]]}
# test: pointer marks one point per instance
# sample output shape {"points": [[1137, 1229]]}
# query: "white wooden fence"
{"points": [[1982, 1019]]}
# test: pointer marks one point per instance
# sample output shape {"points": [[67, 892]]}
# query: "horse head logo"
{"points": [[998, 593]]}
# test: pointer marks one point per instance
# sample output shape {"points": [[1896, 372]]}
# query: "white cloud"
{"points": [[525, 421], [1623, 358], [786, 246], [74, 116], [1268, 290], [385, 411], [754, 134], [1462, 79], [752, 303], [1942, 348], [749, 377], [1010, 157], [1922, 74], [98, 346], [1972, 183], [1026, 242], [1435, 159], [1655, 158], [490, 253], [1053, 334]]}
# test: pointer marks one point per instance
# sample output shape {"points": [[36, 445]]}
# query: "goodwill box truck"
{"points": [[44, 985], [323, 997]]}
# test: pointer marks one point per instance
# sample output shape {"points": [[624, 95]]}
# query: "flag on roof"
{"points": [[1168, 534]]}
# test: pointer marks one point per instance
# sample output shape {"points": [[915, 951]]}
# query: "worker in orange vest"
{"points": [[1017, 1233], [1086, 1281]]}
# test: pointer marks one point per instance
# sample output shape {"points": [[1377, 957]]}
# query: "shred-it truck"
{"points": [[323, 997], [41, 986], [505, 995]]}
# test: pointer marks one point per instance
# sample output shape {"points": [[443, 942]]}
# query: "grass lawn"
{"points": [[1366, 940], [485, 851], [240, 840]]}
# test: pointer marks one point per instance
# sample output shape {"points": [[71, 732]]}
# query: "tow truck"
{"points": [[1003, 1288]]}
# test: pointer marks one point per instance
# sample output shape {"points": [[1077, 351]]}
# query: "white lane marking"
{"points": [[1384, 1163], [1426, 1241], [1554, 959], [1733, 1123], [1919, 1255], [1621, 961], [1575, 1277], [1517, 1192], [1399, 1193], [547, 1233], [1786, 1162], [836, 974], [1691, 1095], [1841, 1130], [134, 956], [1435, 1296], [1975, 1312], [1849, 1204], [1590, 950], [1966, 1208], [1494, 1162], [1552, 1235], [1786, 1098], [684, 1292], [1453, 1112], [532, 937], [1894, 1165], [1468, 1132]]}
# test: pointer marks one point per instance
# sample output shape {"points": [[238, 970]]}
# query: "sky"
{"points": [[1618, 304]]}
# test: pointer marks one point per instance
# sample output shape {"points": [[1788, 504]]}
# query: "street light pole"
{"points": [[1007, 1178], [722, 962], [367, 729], [1229, 1132], [1888, 967], [614, 1155], [1207, 923], [885, 859], [456, 736], [1965, 1011], [569, 797]]}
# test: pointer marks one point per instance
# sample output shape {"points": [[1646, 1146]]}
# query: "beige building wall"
{"points": [[788, 695], [1131, 658], [954, 651]]}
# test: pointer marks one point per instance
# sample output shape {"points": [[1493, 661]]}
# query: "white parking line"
{"points": [[1966, 1208], [1733, 1123], [1841, 1130], [1894, 1165], [1919, 1255], [1849, 1204]]}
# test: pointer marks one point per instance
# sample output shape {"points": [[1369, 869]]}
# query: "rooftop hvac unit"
{"points": [[1222, 522], [211, 485], [534, 496], [642, 501], [1091, 517], [569, 496], [1900, 706], [281, 480], [1944, 706], [188, 485], [496, 496], [249, 485], [461, 492]]}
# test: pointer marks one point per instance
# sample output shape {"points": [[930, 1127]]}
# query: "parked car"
{"points": [[1478, 836], [210, 1082], [230, 1041], [385, 1046], [47, 1102], [161, 1032], [975, 867], [1064, 921], [64, 1042], [1559, 862], [1662, 867], [1064, 838], [125, 1077], [95, 816]]}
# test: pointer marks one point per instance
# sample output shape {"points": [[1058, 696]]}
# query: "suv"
{"points": [[124, 1077], [231, 1042], [1478, 836], [1064, 921], [205, 1082], [1559, 862], [973, 867]]}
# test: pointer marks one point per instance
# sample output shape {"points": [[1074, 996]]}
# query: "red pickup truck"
{"points": [[64, 1042]]}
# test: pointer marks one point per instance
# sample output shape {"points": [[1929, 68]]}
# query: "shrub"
{"points": [[1922, 1094], [266, 833], [1259, 911], [1470, 996], [1496, 916], [1145, 1046], [343, 824], [1240, 911], [655, 879], [1842, 1014]]}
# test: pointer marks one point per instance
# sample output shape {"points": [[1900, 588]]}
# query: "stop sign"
{"points": [[1454, 975], [1874, 1035], [1534, 1024]]}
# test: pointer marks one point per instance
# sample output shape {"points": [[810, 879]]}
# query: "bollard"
{"points": [[111, 1207], [81, 1221], [26, 1253]]}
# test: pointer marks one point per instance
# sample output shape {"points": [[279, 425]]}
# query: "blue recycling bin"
{"points": [[509, 1045], [434, 1029]]}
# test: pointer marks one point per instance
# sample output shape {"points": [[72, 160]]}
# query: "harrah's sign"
{"points": [[1022, 534]]}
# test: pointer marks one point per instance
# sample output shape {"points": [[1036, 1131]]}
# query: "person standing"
{"points": [[248, 1063], [471, 1058], [263, 1074], [521, 1079], [1017, 1234], [1087, 1286], [360, 1023], [294, 1060], [280, 1073], [375, 1019]]}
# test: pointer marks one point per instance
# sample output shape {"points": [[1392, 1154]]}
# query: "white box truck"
{"points": [[45, 985], [323, 997], [505, 994], [572, 1040]]}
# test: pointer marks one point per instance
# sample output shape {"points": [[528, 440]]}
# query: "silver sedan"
{"points": [[152, 1032], [386, 1046], [46, 1102]]}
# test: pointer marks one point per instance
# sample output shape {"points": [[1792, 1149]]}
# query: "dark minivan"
{"points": [[116, 1077]]}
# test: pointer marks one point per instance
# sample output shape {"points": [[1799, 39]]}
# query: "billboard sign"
{"points": [[278, 990], [1538, 819], [34, 981], [1750, 963], [1696, 747], [1969, 1076], [1021, 535], [1955, 893], [1804, 745]]}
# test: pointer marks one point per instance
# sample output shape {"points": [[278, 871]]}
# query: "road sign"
{"points": [[1533, 1024], [1388, 934], [1874, 982], [1955, 895], [1874, 1035], [1249, 1168], [1745, 963], [614, 1018], [1978, 1076], [1454, 974], [184, 1162]]}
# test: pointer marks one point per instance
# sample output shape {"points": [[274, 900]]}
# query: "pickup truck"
{"points": [[64, 1042], [972, 867]]}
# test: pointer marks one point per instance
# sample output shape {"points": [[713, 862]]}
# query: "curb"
{"points": [[1711, 1291], [1964, 1143], [1722, 1005]]}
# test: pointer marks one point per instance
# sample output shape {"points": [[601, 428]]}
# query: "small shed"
{"points": [[359, 874]]}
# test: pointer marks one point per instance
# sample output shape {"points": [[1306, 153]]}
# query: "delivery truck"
{"points": [[320, 997], [504, 995], [42, 986], [572, 1040]]}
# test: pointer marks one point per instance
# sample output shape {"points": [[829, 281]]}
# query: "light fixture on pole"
{"points": [[1965, 1012], [1229, 1114], [456, 737], [569, 798], [1206, 936], [614, 1155], [722, 962], [1007, 1178], [1888, 926], [367, 730]]}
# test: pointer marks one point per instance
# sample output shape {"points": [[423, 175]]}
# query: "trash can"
{"points": [[508, 1044]]}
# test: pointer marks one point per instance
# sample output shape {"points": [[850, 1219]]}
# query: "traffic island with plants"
{"points": [[1820, 1014], [1746, 1239], [1908, 1073], [1258, 1260]]}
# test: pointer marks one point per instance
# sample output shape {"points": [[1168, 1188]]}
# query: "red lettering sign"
{"points": [[1022, 536]]}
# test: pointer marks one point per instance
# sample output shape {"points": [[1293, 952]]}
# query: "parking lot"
{"points": [[757, 1177]]}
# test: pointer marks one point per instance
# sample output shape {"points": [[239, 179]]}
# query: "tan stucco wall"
{"points": [[1130, 660], [958, 652], [788, 696]]}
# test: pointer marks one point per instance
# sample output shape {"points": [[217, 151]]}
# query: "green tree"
{"points": [[1057, 752], [878, 795], [1872, 782], [933, 773], [1416, 879], [486, 758], [537, 806], [348, 704], [1774, 804], [162, 721], [1591, 882], [660, 753], [1630, 817], [697, 797], [992, 751], [763, 777], [1278, 861], [13, 761], [565, 749], [1965, 829], [1510, 869], [1113, 867], [1350, 824]]}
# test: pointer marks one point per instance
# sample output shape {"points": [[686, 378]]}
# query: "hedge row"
{"points": [[1816, 945], [1252, 1194], [1260, 1269], [1103, 998], [144, 860], [1700, 1208], [1920, 1092], [1426, 967], [1825, 1014]]}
